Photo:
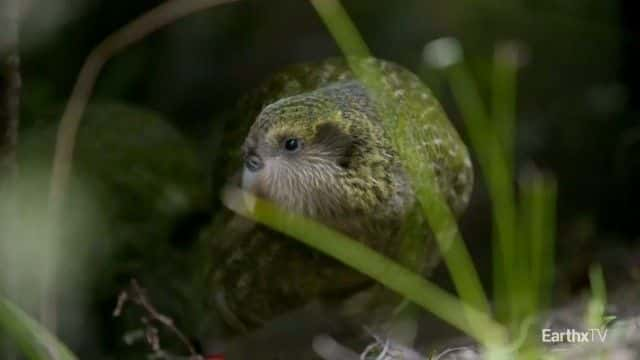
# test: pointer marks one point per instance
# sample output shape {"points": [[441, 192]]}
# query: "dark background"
{"points": [[578, 94], [631, 76]]}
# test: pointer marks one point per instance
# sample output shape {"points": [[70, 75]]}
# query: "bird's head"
{"points": [[317, 154]]}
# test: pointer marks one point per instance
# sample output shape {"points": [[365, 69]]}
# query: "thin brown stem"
{"points": [[131, 33], [138, 296]]}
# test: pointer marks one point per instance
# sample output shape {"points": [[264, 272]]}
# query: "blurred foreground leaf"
{"points": [[33, 340], [400, 123], [138, 193], [411, 285]]}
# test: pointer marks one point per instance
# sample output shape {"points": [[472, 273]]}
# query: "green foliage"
{"points": [[351, 252], [142, 194], [407, 142], [595, 316], [523, 236], [35, 342], [137, 188]]}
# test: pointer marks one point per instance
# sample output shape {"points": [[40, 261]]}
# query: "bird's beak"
{"points": [[249, 179], [253, 163]]}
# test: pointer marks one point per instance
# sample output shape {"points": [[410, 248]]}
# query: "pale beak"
{"points": [[253, 163], [249, 179]]}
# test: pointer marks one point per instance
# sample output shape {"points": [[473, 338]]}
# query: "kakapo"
{"points": [[317, 146]]}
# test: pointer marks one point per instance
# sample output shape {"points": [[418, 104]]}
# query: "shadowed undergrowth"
{"points": [[523, 216]]}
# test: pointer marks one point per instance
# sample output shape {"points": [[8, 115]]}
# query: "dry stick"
{"points": [[137, 295], [136, 30]]}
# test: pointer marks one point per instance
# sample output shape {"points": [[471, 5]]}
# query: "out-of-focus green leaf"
{"points": [[411, 285], [32, 339]]}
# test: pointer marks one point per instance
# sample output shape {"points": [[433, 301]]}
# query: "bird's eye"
{"points": [[291, 144]]}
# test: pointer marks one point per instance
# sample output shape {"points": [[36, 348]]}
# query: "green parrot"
{"points": [[315, 143]]}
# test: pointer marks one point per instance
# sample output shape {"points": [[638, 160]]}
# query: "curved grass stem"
{"points": [[151, 21]]}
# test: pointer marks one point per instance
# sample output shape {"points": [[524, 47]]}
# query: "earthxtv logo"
{"points": [[574, 336]]}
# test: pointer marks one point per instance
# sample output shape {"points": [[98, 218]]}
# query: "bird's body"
{"points": [[318, 147]]}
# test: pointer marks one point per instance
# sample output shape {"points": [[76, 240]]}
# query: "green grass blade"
{"points": [[538, 199], [595, 316], [503, 124], [503, 97], [369, 262], [35, 342], [441, 220], [500, 183], [341, 27]]}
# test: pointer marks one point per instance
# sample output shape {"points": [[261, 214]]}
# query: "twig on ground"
{"points": [[136, 295]]}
